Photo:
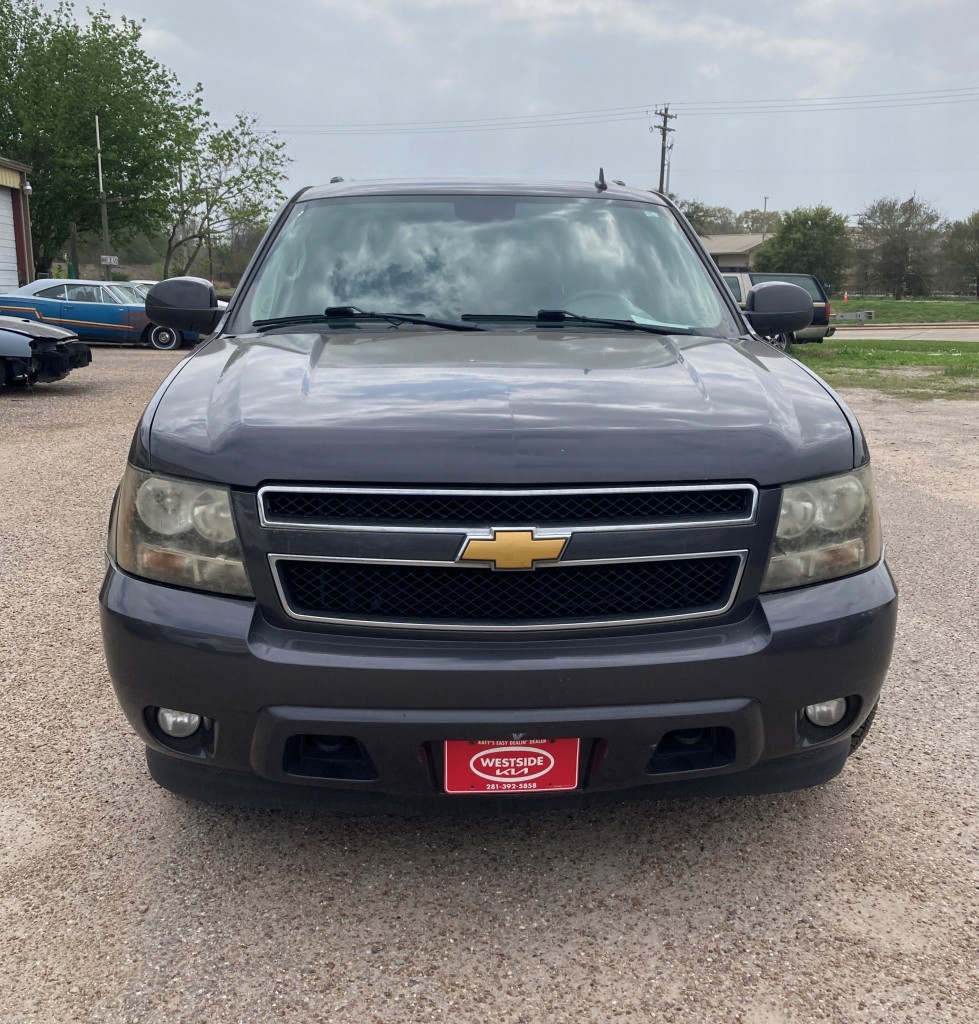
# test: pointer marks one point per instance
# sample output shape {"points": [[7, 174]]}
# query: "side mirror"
{"points": [[777, 307], [185, 304]]}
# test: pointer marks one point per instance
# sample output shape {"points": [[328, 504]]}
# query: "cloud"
{"points": [[664, 22], [708, 70], [166, 46], [159, 38], [843, 8]]}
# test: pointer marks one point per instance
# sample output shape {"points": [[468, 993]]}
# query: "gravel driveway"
{"points": [[854, 902]]}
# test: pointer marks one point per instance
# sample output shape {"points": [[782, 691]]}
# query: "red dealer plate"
{"points": [[510, 766]]}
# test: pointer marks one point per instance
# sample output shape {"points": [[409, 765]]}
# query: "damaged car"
{"points": [[35, 353]]}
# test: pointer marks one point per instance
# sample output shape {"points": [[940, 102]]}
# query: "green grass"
{"points": [[919, 311], [911, 369]]}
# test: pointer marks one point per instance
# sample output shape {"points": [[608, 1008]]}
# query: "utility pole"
{"points": [[663, 129], [764, 220], [103, 202], [669, 165], [25, 198], [73, 250]]}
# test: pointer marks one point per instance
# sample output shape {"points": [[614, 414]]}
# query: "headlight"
{"points": [[826, 529], [180, 532]]}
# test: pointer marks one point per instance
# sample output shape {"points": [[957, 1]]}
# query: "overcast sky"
{"points": [[364, 64]]}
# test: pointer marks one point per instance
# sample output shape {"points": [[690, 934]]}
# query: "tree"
{"points": [[708, 220], [961, 255], [898, 246], [722, 220], [236, 249], [810, 240], [229, 179], [757, 222], [57, 76]]}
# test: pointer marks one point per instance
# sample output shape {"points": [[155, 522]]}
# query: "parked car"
{"points": [[34, 353], [741, 283], [489, 495], [144, 287], [130, 291], [94, 310]]}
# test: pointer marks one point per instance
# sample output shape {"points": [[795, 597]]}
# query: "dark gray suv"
{"points": [[484, 495]]}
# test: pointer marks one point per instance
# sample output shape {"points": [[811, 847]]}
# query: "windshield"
{"points": [[127, 293], [454, 256]]}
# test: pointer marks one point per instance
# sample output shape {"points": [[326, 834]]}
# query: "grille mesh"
{"points": [[450, 596], [501, 510]]}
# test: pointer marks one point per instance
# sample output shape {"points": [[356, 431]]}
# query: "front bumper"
{"points": [[814, 334], [54, 360], [79, 354], [739, 686]]}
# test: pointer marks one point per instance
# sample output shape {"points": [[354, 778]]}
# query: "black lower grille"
{"points": [[456, 596]]}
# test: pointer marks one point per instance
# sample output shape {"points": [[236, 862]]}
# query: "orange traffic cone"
{"points": [[846, 298]]}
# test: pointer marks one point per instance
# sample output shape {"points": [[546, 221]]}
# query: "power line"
{"points": [[970, 92], [611, 115], [937, 94], [585, 121]]}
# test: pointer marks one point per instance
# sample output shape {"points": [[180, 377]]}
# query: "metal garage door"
{"points": [[8, 249]]}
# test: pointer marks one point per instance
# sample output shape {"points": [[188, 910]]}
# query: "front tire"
{"points": [[164, 339], [782, 341]]}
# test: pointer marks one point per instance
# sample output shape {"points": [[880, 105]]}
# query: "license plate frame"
{"points": [[511, 766]]}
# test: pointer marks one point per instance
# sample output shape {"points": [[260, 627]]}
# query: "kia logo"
{"points": [[518, 763]]}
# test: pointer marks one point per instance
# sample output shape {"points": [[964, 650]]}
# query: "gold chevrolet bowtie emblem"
{"points": [[513, 549]]}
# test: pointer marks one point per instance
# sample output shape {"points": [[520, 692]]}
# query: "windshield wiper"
{"points": [[334, 313], [562, 316]]}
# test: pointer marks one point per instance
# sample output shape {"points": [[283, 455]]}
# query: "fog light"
{"points": [[178, 724], [827, 712]]}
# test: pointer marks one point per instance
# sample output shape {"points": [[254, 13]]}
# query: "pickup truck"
{"points": [[481, 496], [741, 283], [34, 353]]}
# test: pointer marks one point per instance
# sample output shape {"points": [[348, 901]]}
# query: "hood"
{"points": [[524, 408], [35, 329]]}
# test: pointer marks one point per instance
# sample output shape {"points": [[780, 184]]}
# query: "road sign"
{"points": [[110, 261]]}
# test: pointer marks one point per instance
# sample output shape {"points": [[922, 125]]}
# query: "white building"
{"points": [[732, 252], [16, 250]]}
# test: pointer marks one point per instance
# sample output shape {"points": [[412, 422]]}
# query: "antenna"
{"points": [[600, 180]]}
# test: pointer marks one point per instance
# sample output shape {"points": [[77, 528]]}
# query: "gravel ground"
{"points": [[853, 902]]}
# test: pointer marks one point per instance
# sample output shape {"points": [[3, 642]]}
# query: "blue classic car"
{"points": [[94, 310]]}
